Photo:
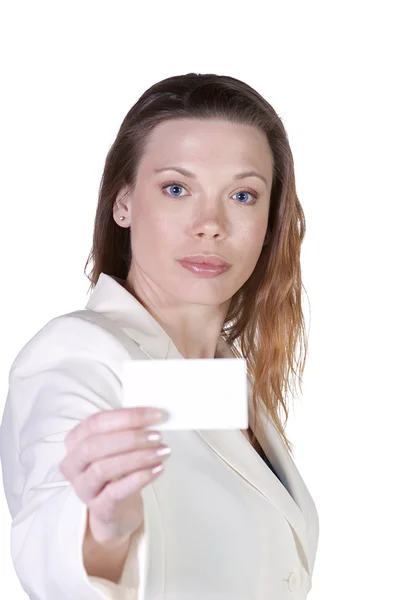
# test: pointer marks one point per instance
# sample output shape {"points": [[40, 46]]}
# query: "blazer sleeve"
{"points": [[58, 379]]}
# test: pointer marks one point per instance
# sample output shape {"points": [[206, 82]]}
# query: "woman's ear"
{"points": [[267, 237], [121, 208]]}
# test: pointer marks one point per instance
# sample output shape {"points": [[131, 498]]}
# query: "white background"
{"points": [[70, 71]]}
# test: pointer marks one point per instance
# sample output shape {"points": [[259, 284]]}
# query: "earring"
{"points": [[121, 218]]}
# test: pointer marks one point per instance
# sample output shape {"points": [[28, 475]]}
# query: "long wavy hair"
{"points": [[265, 323]]}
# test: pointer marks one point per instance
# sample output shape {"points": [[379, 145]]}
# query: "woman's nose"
{"points": [[209, 229], [210, 222]]}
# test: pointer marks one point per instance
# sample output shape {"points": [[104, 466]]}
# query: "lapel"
{"points": [[112, 300]]}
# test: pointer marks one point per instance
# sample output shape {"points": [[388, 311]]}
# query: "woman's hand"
{"points": [[110, 458]]}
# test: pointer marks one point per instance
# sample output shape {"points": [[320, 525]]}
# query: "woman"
{"points": [[201, 167]]}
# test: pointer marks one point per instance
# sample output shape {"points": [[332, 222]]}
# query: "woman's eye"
{"points": [[248, 193], [177, 186], [173, 185]]}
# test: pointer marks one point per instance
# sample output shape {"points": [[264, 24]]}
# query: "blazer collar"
{"points": [[110, 298]]}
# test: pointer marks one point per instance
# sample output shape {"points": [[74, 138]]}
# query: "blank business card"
{"points": [[197, 393]]}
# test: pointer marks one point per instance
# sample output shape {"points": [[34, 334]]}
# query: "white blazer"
{"points": [[218, 523]]}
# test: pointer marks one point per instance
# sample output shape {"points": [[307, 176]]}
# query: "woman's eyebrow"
{"points": [[187, 173]]}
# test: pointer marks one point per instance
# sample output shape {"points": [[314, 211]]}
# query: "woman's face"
{"points": [[174, 215]]}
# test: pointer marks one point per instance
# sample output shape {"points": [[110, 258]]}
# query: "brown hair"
{"points": [[265, 319]]}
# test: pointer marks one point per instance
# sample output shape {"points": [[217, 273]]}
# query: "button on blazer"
{"points": [[218, 523]]}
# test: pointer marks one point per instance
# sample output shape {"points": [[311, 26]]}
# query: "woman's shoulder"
{"points": [[78, 334]]}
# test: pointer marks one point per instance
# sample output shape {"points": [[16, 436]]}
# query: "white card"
{"points": [[197, 393]]}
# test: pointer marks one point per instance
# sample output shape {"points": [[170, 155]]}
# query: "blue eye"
{"points": [[174, 184], [244, 192]]}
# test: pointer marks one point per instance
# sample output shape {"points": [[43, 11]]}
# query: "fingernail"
{"points": [[157, 469], [163, 451], [154, 437], [160, 416]]}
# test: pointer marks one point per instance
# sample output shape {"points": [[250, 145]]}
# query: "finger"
{"points": [[107, 501], [97, 447], [113, 420], [101, 473], [116, 491]]}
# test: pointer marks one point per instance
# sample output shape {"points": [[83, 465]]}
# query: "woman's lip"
{"points": [[214, 261], [204, 270]]}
